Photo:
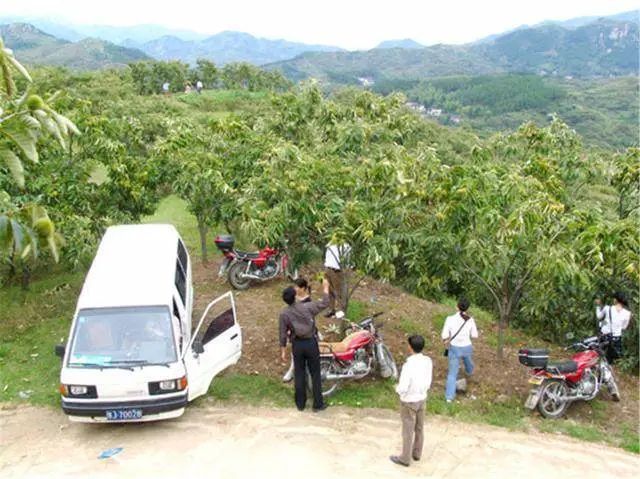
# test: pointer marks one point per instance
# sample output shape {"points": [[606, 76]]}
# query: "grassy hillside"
{"points": [[35, 47]]}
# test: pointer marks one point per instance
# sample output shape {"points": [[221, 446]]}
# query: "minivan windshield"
{"points": [[116, 337]]}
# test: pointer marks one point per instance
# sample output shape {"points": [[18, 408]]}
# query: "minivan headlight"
{"points": [[168, 386], [78, 391]]}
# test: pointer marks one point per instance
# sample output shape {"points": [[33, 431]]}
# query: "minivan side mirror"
{"points": [[60, 350], [198, 348]]}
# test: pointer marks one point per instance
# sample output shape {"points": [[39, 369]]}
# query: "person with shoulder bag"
{"points": [[614, 320], [457, 333]]}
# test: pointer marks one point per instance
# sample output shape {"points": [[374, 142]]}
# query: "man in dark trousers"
{"points": [[298, 323]]}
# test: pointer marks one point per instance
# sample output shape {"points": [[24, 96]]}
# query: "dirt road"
{"points": [[241, 442]]}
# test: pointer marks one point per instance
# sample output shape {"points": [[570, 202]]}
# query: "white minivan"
{"points": [[131, 353]]}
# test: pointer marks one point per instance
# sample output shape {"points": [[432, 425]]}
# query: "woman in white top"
{"points": [[614, 320], [457, 333]]}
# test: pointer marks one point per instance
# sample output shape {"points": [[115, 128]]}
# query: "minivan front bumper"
{"points": [[156, 408]]}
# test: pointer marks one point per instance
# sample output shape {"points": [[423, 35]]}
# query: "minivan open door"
{"points": [[215, 344]]}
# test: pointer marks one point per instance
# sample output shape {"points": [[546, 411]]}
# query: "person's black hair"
{"points": [[621, 298], [463, 306], [417, 343], [303, 284], [289, 295]]}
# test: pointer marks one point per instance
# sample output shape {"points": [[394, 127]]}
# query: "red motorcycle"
{"points": [[356, 356], [242, 267], [558, 384]]}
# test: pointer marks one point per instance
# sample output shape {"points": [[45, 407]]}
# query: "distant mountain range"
{"points": [[585, 46], [33, 46], [602, 48], [572, 23], [407, 43], [113, 34], [226, 47], [164, 43]]}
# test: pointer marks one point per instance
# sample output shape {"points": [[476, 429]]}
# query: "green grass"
{"points": [[173, 210], [33, 323], [412, 326], [356, 310], [629, 438], [223, 102], [254, 390], [584, 432]]}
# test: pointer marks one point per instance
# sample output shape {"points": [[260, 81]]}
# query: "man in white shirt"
{"points": [[614, 320], [457, 333], [415, 381], [336, 260]]}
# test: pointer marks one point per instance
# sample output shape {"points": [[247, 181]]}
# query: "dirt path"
{"points": [[241, 442]]}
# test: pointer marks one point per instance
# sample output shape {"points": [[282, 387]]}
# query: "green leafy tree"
{"points": [[206, 72], [23, 120]]}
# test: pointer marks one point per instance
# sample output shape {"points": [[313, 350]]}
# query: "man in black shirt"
{"points": [[297, 323]]}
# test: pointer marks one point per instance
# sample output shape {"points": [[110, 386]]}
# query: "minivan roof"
{"points": [[135, 266]]}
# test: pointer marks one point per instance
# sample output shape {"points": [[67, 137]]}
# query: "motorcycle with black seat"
{"points": [[559, 383]]}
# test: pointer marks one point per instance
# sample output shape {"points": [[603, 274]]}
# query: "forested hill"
{"points": [[600, 49], [33, 46]]}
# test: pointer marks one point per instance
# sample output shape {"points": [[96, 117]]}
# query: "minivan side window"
{"points": [[181, 282], [182, 256]]}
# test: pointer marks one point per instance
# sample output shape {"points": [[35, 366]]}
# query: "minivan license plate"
{"points": [[124, 414]]}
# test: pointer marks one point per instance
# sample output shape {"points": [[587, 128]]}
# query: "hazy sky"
{"points": [[353, 24]]}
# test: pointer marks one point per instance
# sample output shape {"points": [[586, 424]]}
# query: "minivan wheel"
{"points": [[236, 278]]}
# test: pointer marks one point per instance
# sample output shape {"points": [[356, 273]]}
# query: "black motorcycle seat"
{"points": [[246, 254], [563, 367]]}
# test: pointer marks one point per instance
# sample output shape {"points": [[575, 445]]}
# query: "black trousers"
{"points": [[306, 355], [614, 351]]}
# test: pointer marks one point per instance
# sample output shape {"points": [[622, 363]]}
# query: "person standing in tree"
{"points": [[199, 86], [297, 324], [614, 319], [336, 261]]}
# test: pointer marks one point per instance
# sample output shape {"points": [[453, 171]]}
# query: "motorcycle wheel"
{"points": [[235, 276], [328, 386], [550, 405], [387, 359]]}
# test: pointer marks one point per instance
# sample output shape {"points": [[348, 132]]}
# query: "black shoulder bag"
{"points": [[446, 350]]}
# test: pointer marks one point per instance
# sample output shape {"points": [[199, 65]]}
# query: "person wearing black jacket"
{"points": [[303, 295], [297, 324]]}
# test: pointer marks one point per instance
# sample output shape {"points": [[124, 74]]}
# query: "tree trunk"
{"points": [[501, 326], [203, 230], [26, 277], [503, 321], [344, 290]]}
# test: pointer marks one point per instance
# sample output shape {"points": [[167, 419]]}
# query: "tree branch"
{"points": [[485, 283]]}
